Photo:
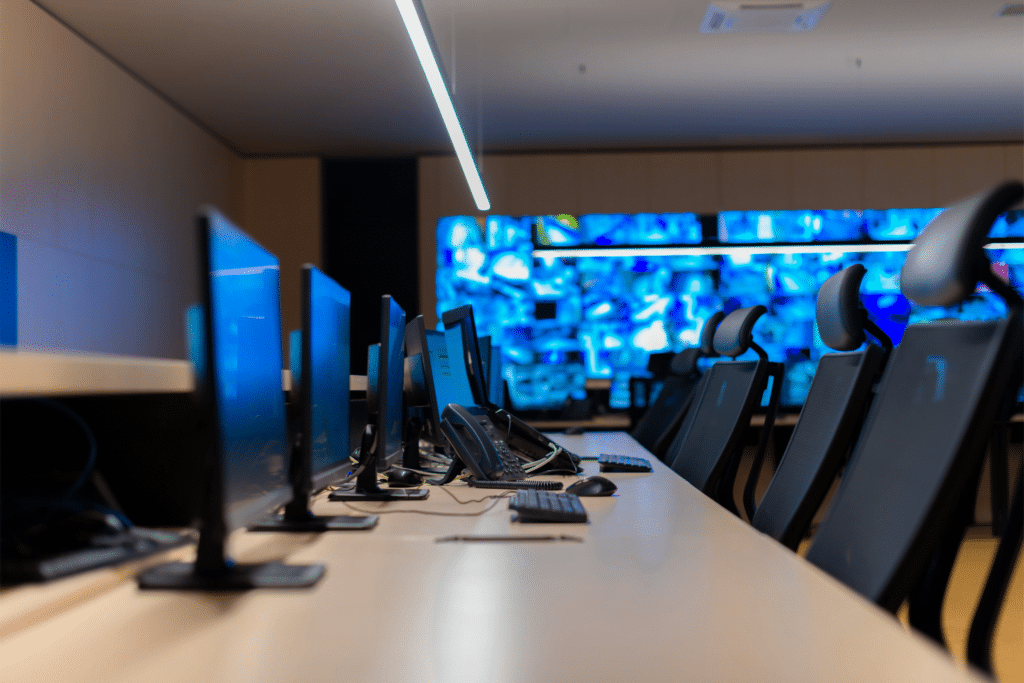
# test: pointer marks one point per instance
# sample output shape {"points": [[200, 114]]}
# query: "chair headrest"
{"points": [[838, 311], [732, 337], [685, 362], [707, 334], [947, 260]]}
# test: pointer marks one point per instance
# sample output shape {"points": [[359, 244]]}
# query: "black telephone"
{"points": [[480, 447]]}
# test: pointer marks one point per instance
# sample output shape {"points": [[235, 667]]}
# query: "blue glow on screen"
{"points": [[562, 320], [330, 320], [247, 364], [8, 289], [447, 369]]}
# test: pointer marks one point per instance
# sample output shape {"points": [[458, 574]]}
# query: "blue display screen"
{"points": [[390, 377], [245, 372], [562, 319], [8, 289], [329, 353]]}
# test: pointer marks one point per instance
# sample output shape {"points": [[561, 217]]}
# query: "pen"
{"points": [[510, 537]]}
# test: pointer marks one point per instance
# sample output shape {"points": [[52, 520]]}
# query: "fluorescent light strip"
{"points": [[428, 60], [819, 248]]}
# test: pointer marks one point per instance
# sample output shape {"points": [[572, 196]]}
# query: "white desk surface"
{"points": [[665, 585]]}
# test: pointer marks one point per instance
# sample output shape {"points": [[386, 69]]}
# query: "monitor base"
{"points": [[356, 494], [239, 577], [315, 523]]}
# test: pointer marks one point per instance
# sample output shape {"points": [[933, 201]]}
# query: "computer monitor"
{"points": [[382, 441], [460, 330], [390, 377], [445, 382], [320, 363], [236, 350]]}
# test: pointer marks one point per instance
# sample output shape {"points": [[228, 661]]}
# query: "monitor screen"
{"points": [[324, 390], [390, 376], [239, 374]]}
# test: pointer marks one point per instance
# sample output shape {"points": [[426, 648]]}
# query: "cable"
{"points": [[90, 462], [347, 479], [497, 499], [537, 464], [475, 500]]}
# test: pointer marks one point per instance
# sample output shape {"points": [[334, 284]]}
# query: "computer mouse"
{"points": [[593, 486], [399, 477]]}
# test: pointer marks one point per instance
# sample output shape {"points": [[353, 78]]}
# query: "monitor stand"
{"points": [[315, 523], [366, 487], [296, 516], [213, 571]]}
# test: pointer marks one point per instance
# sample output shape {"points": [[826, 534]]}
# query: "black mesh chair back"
{"points": [[713, 429], [831, 416], [922, 445], [660, 422]]}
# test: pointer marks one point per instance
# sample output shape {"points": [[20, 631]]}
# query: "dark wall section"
{"points": [[370, 240]]}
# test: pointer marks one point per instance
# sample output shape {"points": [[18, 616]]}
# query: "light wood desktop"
{"points": [[664, 585], [25, 372]]}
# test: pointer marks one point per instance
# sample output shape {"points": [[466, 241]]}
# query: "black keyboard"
{"points": [[623, 463], [136, 543], [518, 484], [546, 506]]}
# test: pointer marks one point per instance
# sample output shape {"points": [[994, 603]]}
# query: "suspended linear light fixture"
{"points": [[423, 42]]}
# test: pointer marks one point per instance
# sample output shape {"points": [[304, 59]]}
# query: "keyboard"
{"points": [[137, 543], [623, 463], [546, 506]]}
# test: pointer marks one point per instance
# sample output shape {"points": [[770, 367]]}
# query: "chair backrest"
{"points": [[924, 439], [660, 422], [713, 428], [831, 416]]}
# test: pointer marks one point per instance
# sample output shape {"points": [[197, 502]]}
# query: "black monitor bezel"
{"points": [[386, 366]]}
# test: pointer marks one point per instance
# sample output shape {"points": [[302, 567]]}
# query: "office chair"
{"points": [[707, 448], [659, 424], [832, 414], [918, 460]]}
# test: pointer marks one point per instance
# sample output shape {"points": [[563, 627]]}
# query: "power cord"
{"points": [[497, 499]]}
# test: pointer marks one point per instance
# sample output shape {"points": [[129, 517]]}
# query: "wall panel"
{"points": [[100, 179]]}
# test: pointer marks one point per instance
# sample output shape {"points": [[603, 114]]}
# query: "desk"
{"points": [[52, 373], [686, 590]]}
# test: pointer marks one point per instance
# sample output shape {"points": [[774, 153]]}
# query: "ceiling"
{"points": [[339, 77]]}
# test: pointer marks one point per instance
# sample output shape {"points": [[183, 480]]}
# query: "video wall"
{"points": [[576, 297]]}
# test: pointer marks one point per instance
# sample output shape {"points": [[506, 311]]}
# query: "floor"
{"points": [[965, 585], [968, 578]]}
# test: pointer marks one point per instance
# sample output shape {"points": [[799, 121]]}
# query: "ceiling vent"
{"points": [[762, 17], [1014, 10]]}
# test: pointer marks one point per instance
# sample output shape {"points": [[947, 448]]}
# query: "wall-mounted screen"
{"points": [[569, 298]]}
